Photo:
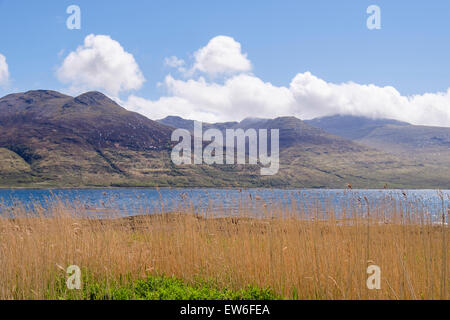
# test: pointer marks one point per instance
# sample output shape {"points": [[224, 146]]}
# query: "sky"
{"points": [[227, 60]]}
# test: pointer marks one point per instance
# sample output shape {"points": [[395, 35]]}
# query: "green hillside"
{"points": [[48, 139]]}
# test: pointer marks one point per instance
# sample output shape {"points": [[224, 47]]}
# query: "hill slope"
{"points": [[311, 157], [73, 140], [352, 127], [426, 143], [48, 139]]}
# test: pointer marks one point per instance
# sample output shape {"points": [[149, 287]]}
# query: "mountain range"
{"points": [[387, 134], [48, 139]]}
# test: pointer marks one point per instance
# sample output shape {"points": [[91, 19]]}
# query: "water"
{"points": [[129, 202]]}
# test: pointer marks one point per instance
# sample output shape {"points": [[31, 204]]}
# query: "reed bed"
{"points": [[310, 251]]}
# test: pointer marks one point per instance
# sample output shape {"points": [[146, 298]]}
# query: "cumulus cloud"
{"points": [[4, 72], [315, 97], [101, 63], [240, 94], [307, 97], [222, 55]]}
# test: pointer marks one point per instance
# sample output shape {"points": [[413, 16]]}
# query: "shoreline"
{"points": [[223, 188]]}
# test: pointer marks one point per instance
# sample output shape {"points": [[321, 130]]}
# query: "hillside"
{"points": [[425, 143], [386, 134], [48, 139], [312, 157], [353, 127], [53, 138]]}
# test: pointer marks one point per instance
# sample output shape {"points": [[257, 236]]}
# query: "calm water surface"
{"points": [[128, 202]]}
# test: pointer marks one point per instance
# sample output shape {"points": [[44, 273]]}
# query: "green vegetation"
{"points": [[155, 288]]}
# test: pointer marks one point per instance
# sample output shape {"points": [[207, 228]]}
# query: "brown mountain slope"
{"points": [[68, 139], [311, 157], [49, 139], [425, 144], [386, 134]]}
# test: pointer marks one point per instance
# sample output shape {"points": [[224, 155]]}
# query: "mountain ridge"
{"points": [[388, 135], [48, 139]]}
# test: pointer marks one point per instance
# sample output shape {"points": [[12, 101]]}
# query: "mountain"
{"points": [[178, 122], [292, 130], [313, 157], [91, 118], [181, 123], [55, 137], [48, 139], [295, 132], [390, 135], [352, 127]]}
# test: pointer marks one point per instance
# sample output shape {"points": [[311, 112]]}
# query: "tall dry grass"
{"points": [[300, 251]]}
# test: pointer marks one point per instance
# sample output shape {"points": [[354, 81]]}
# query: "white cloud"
{"points": [[174, 62], [167, 106], [222, 55], [240, 94], [307, 97], [101, 63], [315, 97], [4, 72]]}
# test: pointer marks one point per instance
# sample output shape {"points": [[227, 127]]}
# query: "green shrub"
{"points": [[159, 288]]}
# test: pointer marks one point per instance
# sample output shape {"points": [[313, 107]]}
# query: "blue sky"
{"points": [[281, 39]]}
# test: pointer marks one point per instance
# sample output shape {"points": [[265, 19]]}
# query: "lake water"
{"points": [[128, 202]]}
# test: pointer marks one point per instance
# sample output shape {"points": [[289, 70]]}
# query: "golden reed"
{"points": [[308, 251]]}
